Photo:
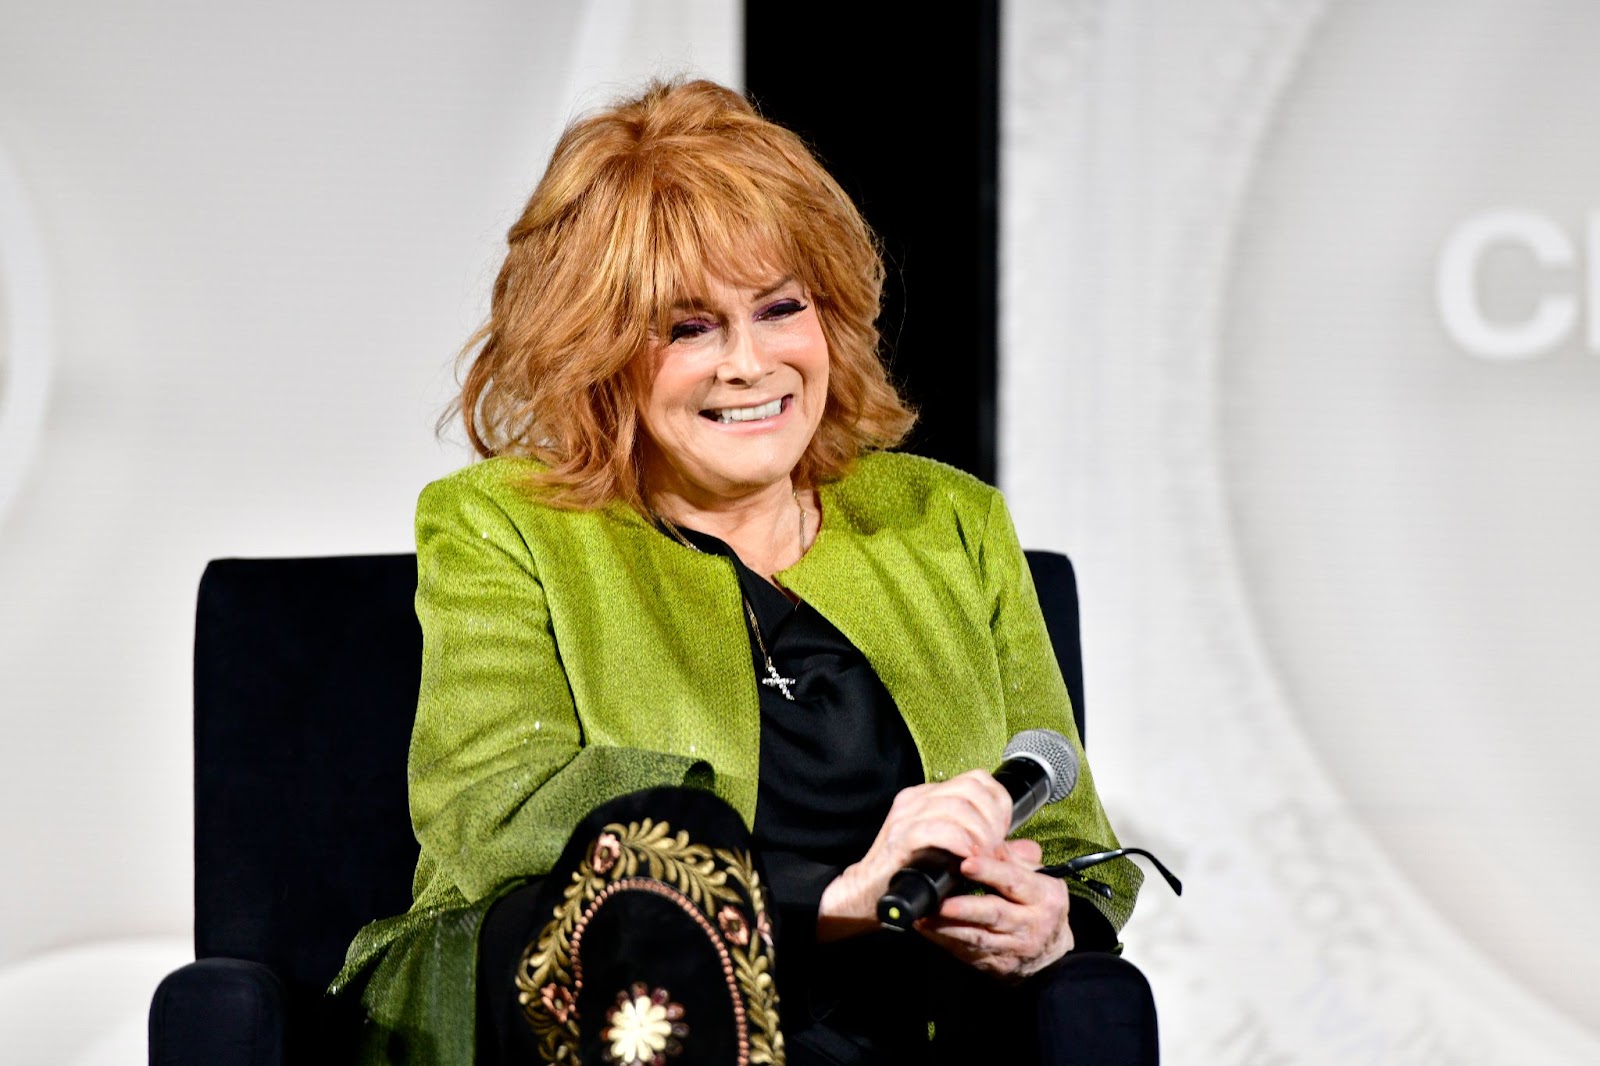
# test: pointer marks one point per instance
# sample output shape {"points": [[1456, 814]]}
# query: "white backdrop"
{"points": [[1300, 311], [1300, 352], [263, 231]]}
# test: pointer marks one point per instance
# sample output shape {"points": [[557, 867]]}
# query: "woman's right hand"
{"points": [[966, 816]]}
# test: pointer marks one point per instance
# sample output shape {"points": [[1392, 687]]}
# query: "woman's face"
{"points": [[737, 387]]}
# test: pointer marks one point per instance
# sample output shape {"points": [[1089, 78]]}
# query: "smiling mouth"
{"points": [[728, 415]]}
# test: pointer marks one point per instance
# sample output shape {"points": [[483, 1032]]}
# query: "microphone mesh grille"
{"points": [[1055, 752]]}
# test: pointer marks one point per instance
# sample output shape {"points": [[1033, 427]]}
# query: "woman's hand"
{"points": [[1018, 927], [966, 816]]}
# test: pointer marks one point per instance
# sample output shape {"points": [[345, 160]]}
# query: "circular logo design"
{"points": [[24, 335], [1413, 413]]}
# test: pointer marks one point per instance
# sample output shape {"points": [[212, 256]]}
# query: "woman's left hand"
{"points": [[1016, 928]]}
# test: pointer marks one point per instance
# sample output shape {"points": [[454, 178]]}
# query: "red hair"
{"points": [[641, 203]]}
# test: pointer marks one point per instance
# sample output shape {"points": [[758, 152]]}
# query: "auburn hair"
{"points": [[641, 203]]}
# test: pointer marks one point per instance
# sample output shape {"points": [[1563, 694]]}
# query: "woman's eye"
{"points": [[692, 328], [783, 309]]}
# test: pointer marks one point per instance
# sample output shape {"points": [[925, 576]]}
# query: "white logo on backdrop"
{"points": [[1414, 525], [1353, 639], [1460, 287], [24, 334]]}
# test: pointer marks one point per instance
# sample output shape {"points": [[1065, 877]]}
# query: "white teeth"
{"points": [[748, 414]]}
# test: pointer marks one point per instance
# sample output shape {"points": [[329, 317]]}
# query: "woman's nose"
{"points": [[744, 360]]}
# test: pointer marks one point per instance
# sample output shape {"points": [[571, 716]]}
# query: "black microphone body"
{"points": [[1028, 783], [1040, 767]]}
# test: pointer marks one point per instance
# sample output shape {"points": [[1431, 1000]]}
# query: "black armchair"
{"points": [[306, 674]]}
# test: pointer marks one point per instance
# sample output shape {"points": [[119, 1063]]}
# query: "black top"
{"points": [[832, 759]]}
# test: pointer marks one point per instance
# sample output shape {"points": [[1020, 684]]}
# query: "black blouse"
{"points": [[832, 759]]}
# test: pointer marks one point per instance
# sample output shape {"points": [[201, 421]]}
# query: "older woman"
{"points": [[690, 622]]}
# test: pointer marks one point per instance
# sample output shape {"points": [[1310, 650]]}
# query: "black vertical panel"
{"points": [[901, 102]]}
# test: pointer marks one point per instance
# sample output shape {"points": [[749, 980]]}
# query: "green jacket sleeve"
{"points": [[499, 771], [499, 774], [1036, 697]]}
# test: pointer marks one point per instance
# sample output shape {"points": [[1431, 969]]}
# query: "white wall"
{"points": [[262, 231], [1336, 564], [1336, 531]]}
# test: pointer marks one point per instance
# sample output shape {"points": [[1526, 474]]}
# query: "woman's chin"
{"points": [[706, 485], [734, 461]]}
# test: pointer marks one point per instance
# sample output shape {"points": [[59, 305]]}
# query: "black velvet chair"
{"points": [[306, 674]]}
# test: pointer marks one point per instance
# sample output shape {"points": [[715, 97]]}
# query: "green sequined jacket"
{"points": [[573, 656]]}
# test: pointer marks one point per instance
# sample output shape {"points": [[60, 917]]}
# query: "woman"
{"points": [[688, 565]]}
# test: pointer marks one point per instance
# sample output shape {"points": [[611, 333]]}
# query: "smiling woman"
{"points": [[737, 390], [703, 665]]}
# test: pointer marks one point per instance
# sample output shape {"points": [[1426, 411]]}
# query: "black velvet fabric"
{"points": [[1095, 1009], [635, 937], [244, 1006], [305, 683], [1057, 586]]}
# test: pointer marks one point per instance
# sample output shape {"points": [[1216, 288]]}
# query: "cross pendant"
{"points": [[779, 682]]}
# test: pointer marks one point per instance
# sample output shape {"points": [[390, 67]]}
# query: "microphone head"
{"points": [[1052, 751]]}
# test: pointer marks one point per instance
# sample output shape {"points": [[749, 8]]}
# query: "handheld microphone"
{"points": [[1040, 767]]}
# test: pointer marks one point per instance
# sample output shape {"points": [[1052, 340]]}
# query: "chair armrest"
{"points": [[219, 1011], [1097, 1007]]}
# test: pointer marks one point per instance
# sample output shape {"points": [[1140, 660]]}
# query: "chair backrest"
{"points": [[306, 675], [1057, 584], [305, 684]]}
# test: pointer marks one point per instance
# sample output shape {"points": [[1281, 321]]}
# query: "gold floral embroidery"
{"points": [[710, 882]]}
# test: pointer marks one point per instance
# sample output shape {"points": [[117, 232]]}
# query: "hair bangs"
{"points": [[697, 238]]}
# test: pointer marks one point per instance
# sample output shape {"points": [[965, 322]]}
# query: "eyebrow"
{"points": [[698, 304], [774, 287]]}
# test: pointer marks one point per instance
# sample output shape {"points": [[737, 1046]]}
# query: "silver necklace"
{"points": [[773, 678]]}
